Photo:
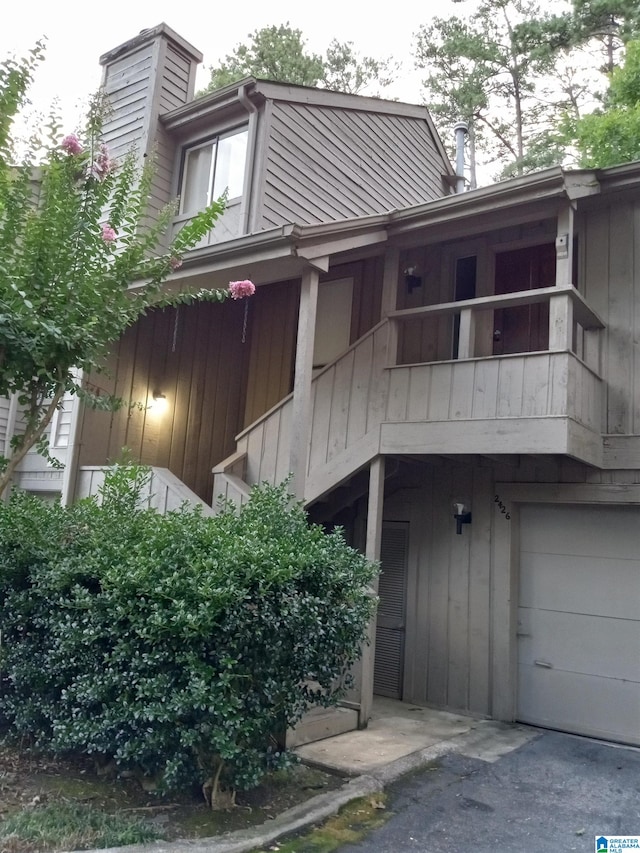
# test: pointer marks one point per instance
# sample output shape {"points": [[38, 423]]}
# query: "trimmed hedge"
{"points": [[176, 644]]}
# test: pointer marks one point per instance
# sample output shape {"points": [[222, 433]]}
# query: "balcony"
{"points": [[365, 403]]}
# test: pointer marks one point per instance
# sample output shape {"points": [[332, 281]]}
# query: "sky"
{"points": [[78, 33]]}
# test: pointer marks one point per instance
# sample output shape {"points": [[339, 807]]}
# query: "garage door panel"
{"points": [[580, 703], [573, 643], [579, 619], [580, 529], [579, 584]]}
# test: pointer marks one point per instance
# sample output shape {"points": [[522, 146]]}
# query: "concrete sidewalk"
{"points": [[398, 730], [400, 738]]}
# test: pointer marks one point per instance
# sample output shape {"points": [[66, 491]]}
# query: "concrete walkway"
{"points": [[397, 730], [400, 738]]}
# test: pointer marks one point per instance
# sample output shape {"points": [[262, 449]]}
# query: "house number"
{"points": [[502, 507]]}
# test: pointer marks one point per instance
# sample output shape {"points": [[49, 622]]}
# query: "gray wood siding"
{"points": [[273, 318], [329, 164], [195, 356], [152, 79], [611, 263], [273, 315]]}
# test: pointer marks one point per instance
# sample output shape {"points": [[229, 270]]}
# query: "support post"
{"points": [[390, 282], [467, 334], [560, 323], [70, 474], [390, 299], [564, 246], [301, 415], [372, 552]]}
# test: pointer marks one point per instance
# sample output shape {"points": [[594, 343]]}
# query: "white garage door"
{"points": [[579, 620]]}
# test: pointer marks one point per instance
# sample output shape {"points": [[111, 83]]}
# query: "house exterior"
{"points": [[451, 377]]}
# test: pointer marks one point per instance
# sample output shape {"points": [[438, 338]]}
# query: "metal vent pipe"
{"points": [[461, 129]]}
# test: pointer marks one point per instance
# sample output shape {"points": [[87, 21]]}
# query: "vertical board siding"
{"points": [[611, 281], [5, 405], [620, 319], [535, 385], [195, 356], [328, 163], [272, 320]]}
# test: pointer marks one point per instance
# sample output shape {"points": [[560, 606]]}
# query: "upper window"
{"points": [[211, 168]]}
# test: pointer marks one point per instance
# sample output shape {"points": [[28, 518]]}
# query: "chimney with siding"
{"points": [[145, 77]]}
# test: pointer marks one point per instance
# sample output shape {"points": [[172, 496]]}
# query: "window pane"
{"points": [[196, 183], [230, 163]]}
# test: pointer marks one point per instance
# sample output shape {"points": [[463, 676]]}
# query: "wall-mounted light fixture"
{"points": [[462, 515], [411, 278], [158, 402]]}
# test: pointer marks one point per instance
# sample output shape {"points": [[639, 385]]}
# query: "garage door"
{"points": [[579, 620]]}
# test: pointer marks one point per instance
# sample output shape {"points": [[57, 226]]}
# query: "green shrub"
{"points": [[175, 643]]}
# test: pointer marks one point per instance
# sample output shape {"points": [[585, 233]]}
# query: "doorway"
{"points": [[525, 328]]}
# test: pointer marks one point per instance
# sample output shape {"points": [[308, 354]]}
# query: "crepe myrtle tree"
{"points": [[74, 235]]}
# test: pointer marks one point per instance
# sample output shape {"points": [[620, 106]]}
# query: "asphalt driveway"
{"points": [[555, 793]]}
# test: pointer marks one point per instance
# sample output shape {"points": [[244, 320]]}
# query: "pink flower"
{"points": [[108, 234], [240, 289], [103, 165], [71, 144], [175, 263]]}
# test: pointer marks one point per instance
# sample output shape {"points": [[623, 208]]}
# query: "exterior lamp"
{"points": [[462, 516], [159, 403]]}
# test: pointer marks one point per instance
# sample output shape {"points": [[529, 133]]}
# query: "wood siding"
{"points": [[128, 84], [273, 314], [611, 264], [324, 164], [148, 81], [274, 317], [519, 386], [5, 437], [194, 355]]}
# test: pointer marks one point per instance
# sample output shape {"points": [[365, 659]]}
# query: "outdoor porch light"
{"points": [[159, 403], [412, 279], [462, 516]]}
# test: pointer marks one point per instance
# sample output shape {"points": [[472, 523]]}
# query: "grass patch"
{"points": [[70, 826], [352, 823]]}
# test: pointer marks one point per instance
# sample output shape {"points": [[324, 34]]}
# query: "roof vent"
{"points": [[460, 129]]}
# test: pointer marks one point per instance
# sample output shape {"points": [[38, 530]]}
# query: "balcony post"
{"points": [[564, 246], [372, 551], [560, 322], [301, 416], [390, 300], [467, 334]]}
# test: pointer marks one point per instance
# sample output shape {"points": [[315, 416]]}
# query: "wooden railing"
{"points": [[164, 491], [567, 308], [364, 389]]}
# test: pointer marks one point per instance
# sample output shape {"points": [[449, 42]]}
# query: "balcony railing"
{"points": [[364, 403], [567, 310]]}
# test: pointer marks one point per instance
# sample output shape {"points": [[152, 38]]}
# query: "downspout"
{"points": [[461, 129], [249, 169]]}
